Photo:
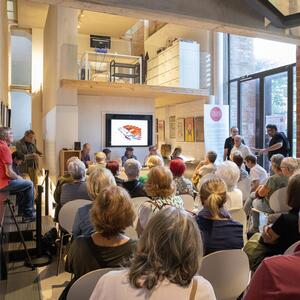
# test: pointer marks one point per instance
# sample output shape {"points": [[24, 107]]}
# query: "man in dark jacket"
{"points": [[27, 146]]}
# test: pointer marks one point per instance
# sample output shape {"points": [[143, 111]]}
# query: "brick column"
{"points": [[298, 102]]}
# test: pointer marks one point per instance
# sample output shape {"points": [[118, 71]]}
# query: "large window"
{"points": [[262, 88]]}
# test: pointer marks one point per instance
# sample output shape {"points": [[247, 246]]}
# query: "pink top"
{"points": [[5, 159], [277, 278]]}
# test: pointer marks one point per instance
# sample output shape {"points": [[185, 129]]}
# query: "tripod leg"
{"points": [[20, 234]]}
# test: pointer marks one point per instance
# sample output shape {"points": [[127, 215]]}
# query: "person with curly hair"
{"points": [[165, 265]]}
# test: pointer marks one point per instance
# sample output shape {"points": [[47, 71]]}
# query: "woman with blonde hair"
{"points": [[219, 231], [165, 265], [99, 179], [152, 161], [161, 190]]}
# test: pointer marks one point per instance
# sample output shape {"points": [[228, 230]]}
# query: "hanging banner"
{"points": [[216, 128]]}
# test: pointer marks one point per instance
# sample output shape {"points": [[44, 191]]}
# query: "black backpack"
{"points": [[286, 143]]}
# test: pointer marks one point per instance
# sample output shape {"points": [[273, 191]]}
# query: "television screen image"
{"points": [[128, 130]]}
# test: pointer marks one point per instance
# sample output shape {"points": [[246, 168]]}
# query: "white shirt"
{"points": [[235, 199], [258, 173], [245, 150], [115, 286]]}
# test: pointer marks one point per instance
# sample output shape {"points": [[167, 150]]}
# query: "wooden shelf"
{"points": [[163, 95]]}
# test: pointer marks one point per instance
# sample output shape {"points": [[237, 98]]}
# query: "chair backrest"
{"points": [[239, 215], [245, 186], [68, 212], [138, 201], [188, 201], [227, 271], [292, 248], [277, 201], [131, 233], [84, 286]]}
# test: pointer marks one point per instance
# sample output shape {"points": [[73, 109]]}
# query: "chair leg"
{"points": [[60, 253]]}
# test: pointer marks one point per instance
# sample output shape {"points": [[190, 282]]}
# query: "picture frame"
{"points": [[161, 130], [189, 129], [172, 127], [199, 129], [180, 130]]}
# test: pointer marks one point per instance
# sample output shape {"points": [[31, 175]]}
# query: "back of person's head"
{"points": [[154, 161], [4, 133], [99, 179], [177, 151], [76, 168], [211, 156], [169, 248], [293, 191], [290, 163], [271, 126], [213, 195], [230, 173], [177, 167], [18, 156], [113, 166], [251, 158], [112, 211], [72, 158], [132, 168], [160, 183], [276, 160], [106, 151], [238, 158], [100, 157]]}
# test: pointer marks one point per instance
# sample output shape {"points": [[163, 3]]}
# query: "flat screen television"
{"points": [[129, 130]]}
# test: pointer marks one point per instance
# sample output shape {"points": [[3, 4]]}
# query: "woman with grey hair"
{"points": [[134, 187], [230, 173], [289, 165], [76, 189], [264, 192]]}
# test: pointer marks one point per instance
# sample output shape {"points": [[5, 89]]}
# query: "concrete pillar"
{"points": [[4, 53], [60, 107]]}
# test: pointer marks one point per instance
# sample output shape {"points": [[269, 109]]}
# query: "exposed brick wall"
{"points": [[298, 102]]}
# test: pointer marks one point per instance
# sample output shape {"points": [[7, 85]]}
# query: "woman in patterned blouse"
{"points": [[161, 190], [183, 185]]}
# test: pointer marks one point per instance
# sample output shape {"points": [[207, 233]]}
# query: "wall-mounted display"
{"points": [[180, 130], [189, 129], [199, 129]]}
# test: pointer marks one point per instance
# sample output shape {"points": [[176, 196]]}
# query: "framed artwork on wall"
{"points": [[180, 130], [156, 125], [189, 129], [199, 129], [172, 127], [161, 131]]}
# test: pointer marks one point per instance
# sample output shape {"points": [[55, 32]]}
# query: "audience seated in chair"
{"points": [[219, 231], [99, 179], [276, 276], [240, 147], [278, 237], [260, 199], [165, 265], [161, 188], [76, 189], [205, 167], [289, 166], [114, 167], [153, 161], [100, 158], [152, 151], [107, 247], [176, 153], [183, 185], [134, 187], [230, 173], [239, 161]]}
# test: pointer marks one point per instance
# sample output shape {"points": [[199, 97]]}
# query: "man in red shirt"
{"points": [[12, 182]]}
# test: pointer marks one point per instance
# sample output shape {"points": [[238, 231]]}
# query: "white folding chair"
{"points": [[239, 215], [131, 233], [227, 271], [188, 201], [278, 202], [245, 186], [66, 219], [83, 287], [138, 201], [292, 248]]}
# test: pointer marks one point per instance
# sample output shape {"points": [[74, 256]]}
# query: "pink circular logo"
{"points": [[216, 114]]}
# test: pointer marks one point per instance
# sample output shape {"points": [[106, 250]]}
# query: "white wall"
{"points": [[184, 110], [91, 119]]}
